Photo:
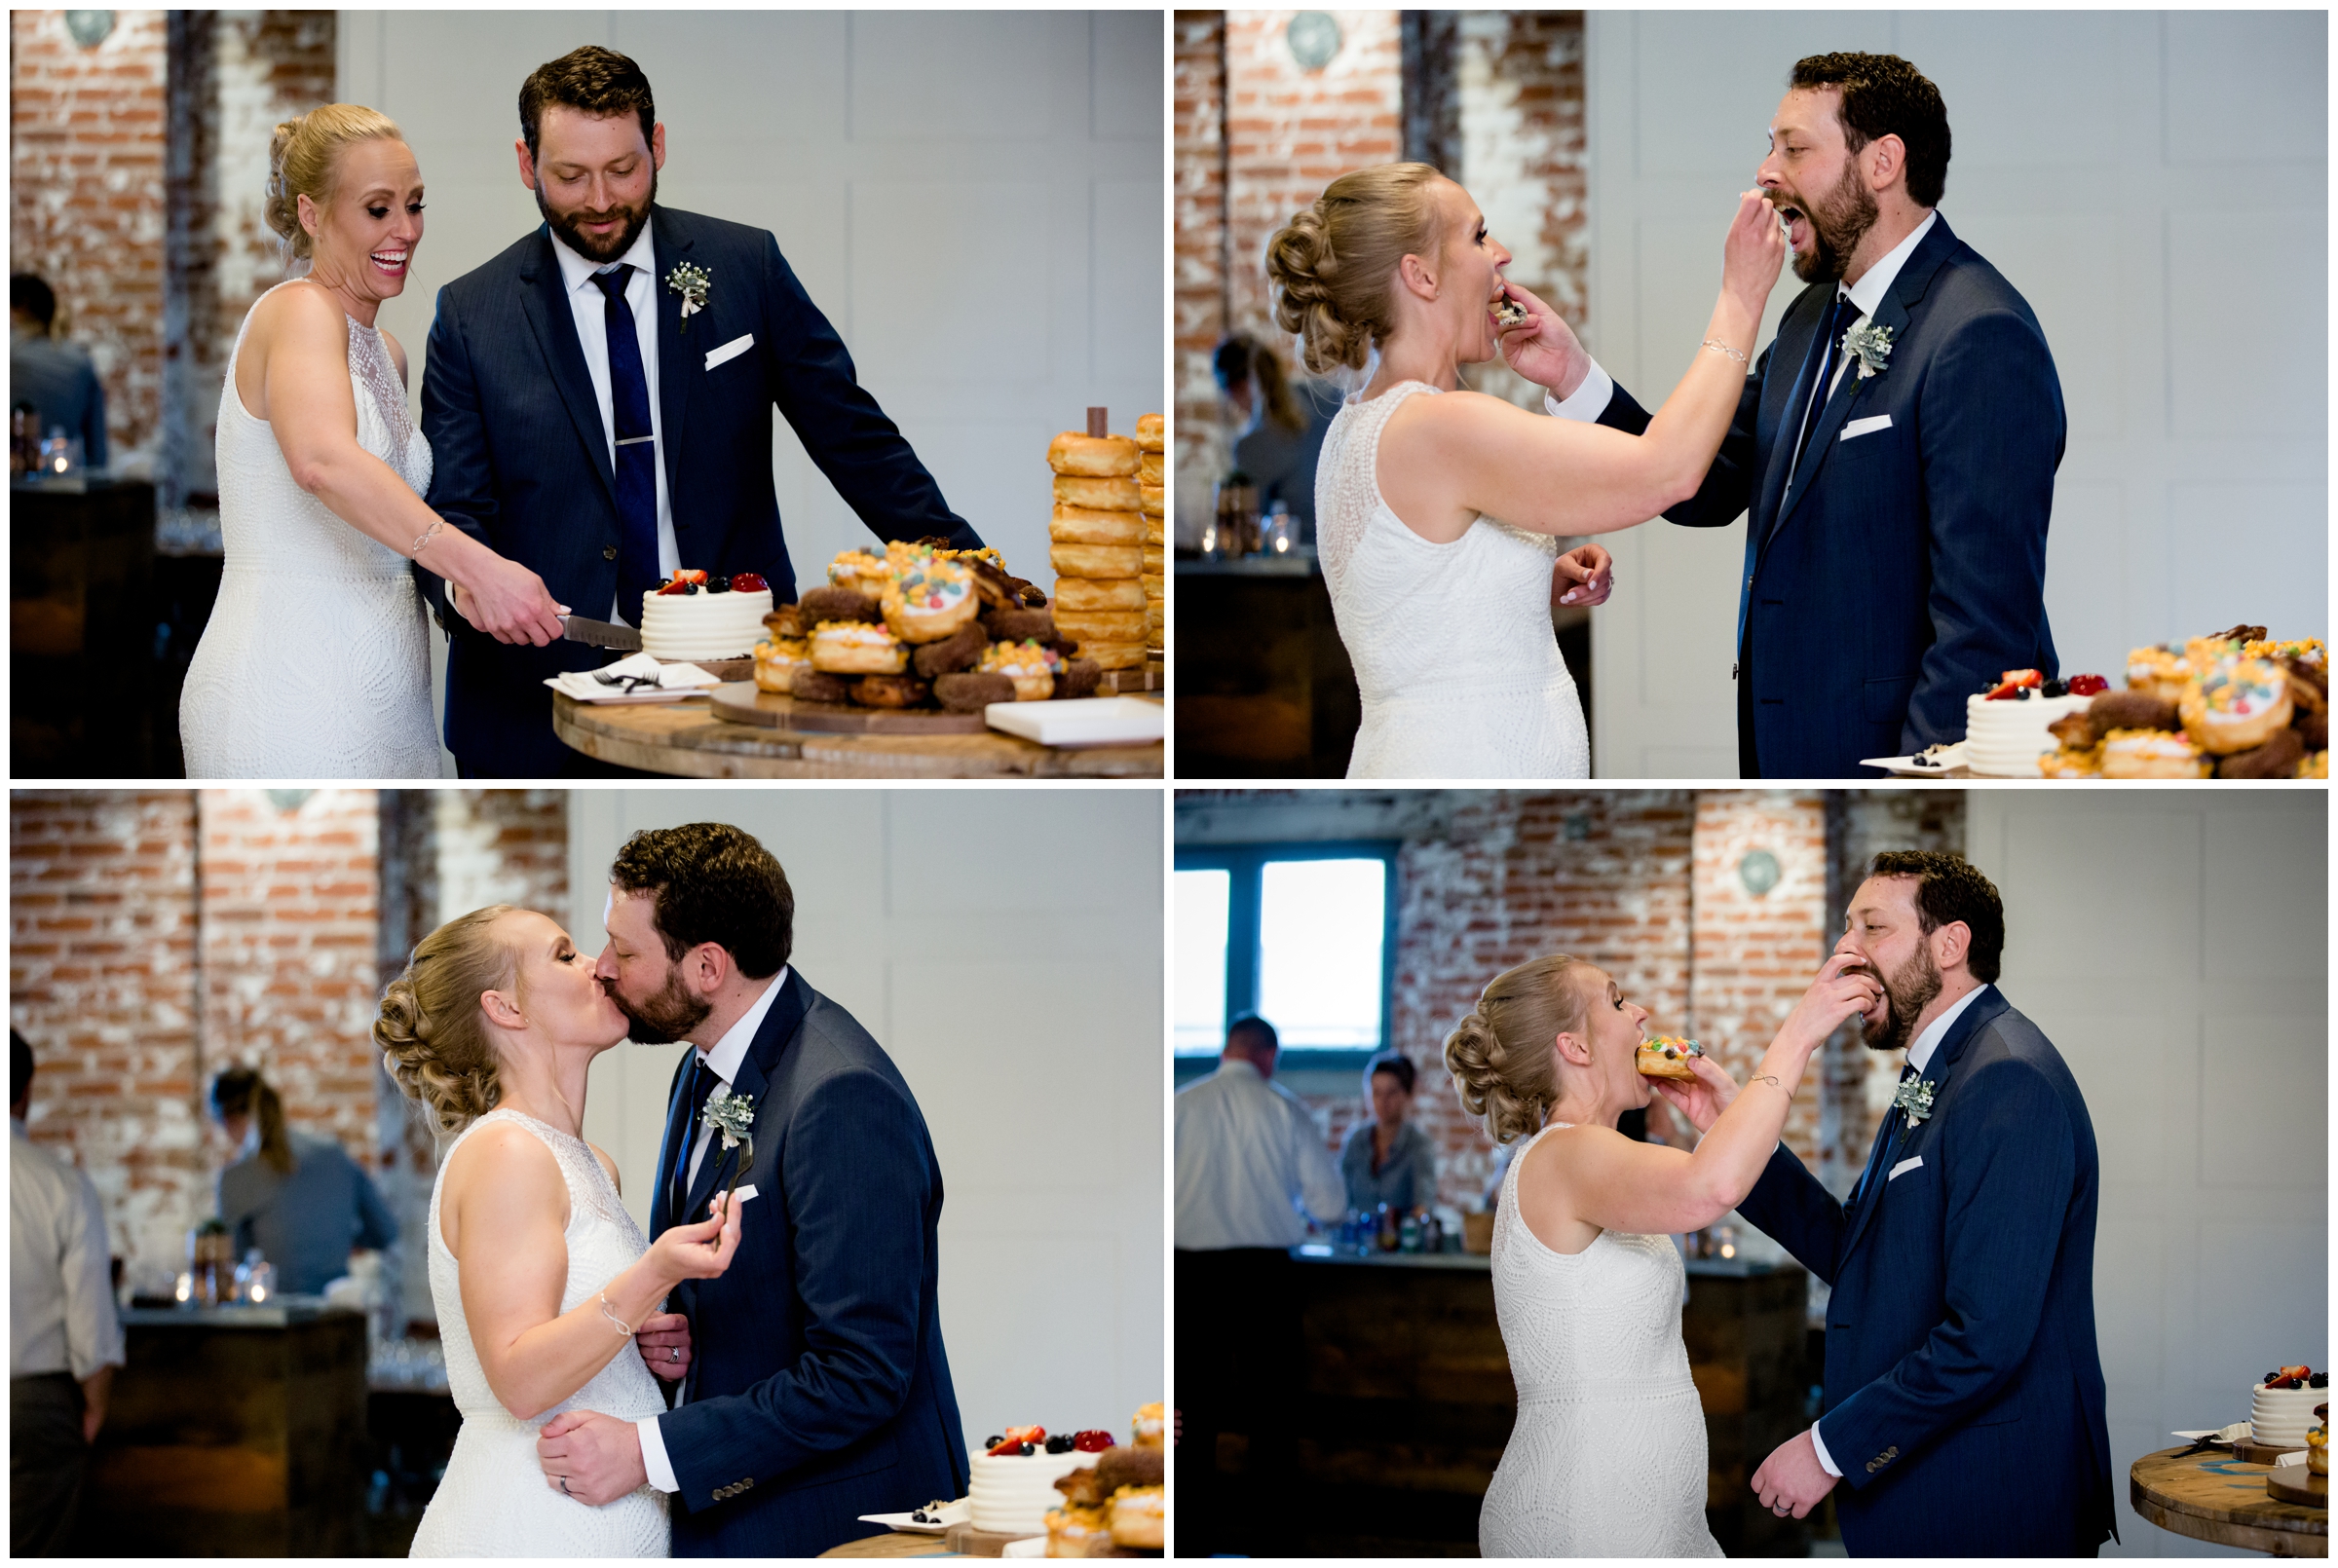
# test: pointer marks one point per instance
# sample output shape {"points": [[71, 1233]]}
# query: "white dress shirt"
{"points": [[1590, 400], [723, 1061], [1248, 1159], [60, 1296], [588, 306], [1919, 1056]]}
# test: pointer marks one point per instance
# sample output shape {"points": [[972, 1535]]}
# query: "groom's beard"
{"points": [[1837, 224], [1906, 995], [599, 252], [664, 1018]]}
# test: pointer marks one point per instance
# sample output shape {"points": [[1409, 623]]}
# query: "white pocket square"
{"points": [[738, 346], [1858, 426], [1904, 1166]]}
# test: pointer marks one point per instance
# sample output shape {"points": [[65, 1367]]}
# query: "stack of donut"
{"points": [[2234, 705], [1152, 488], [1097, 543]]}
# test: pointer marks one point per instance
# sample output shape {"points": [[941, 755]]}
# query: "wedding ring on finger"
{"points": [[564, 1486]]}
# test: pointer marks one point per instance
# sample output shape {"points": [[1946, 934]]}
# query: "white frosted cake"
{"points": [[703, 624], [2004, 738], [1012, 1493], [2280, 1417]]}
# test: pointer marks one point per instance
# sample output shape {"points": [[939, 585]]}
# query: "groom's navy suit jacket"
{"points": [[1905, 568], [522, 459], [1964, 1396], [817, 1389]]}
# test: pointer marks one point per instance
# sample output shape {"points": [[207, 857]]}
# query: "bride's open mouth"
{"points": [[392, 262]]}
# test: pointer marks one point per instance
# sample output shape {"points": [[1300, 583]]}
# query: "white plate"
{"points": [[1028, 1546], [2232, 1434], [1905, 766], [955, 1513], [1082, 721]]}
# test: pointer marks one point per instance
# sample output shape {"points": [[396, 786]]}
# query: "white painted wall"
{"points": [[2173, 945], [1004, 948], [973, 198], [2156, 185]]}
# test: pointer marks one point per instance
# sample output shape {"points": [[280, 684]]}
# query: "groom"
{"points": [[598, 401], [1963, 1398], [813, 1383], [1898, 488]]}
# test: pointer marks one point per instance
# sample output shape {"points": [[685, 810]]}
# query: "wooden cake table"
{"points": [[686, 739], [2214, 1497]]}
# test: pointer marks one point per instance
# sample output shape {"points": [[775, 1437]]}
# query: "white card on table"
{"points": [[738, 346]]}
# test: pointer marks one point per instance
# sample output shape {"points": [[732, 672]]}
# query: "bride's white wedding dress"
{"points": [[1607, 1458], [1451, 643], [493, 1501], [314, 663]]}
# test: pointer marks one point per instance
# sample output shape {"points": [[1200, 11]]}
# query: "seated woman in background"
{"points": [[1283, 425], [1388, 1160], [301, 1200]]}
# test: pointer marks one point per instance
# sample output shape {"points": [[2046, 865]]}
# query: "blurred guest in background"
{"points": [[55, 376], [301, 1200], [1387, 1160], [1248, 1161], [64, 1339], [1281, 429]]}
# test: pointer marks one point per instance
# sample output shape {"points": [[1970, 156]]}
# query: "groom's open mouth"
{"points": [[391, 262], [1797, 226]]}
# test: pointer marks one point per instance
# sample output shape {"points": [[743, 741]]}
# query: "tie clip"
{"points": [[634, 441]]}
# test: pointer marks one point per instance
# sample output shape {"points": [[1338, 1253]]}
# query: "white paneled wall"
{"points": [[973, 198], [2173, 945], [2183, 291], [1004, 948]]}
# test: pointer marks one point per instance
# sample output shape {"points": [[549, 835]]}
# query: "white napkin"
{"points": [[674, 681]]}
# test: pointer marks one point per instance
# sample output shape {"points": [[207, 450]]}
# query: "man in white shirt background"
{"points": [[63, 1337], [1251, 1169]]}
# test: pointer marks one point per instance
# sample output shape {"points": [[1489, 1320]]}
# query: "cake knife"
{"points": [[601, 633]]}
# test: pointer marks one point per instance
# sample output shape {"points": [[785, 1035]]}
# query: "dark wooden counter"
{"points": [[1265, 689], [1409, 1400], [81, 629], [233, 1432]]}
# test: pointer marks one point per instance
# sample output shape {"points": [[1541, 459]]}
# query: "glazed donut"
{"points": [[889, 691], [859, 569], [1153, 432], [1029, 665], [776, 661], [2151, 754], [1155, 587], [1104, 593], [813, 686], [1020, 625], [956, 652], [822, 605], [1097, 560], [2158, 671], [1137, 1518], [1157, 532], [1665, 1057], [1154, 496], [2278, 757], [2072, 761], [2309, 650], [1149, 470], [1155, 560], [927, 600], [782, 621], [1105, 456], [1083, 525], [1105, 495], [1115, 656], [1077, 679], [856, 648], [2235, 705], [969, 691], [1085, 626]]}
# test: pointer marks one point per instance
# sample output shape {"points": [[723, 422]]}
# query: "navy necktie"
{"points": [[702, 1085], [1883, 1140], [1840, 312], [636, 450]]}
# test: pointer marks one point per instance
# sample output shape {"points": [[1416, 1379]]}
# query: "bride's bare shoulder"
{"points": [[301, 315], [499, 1153]]}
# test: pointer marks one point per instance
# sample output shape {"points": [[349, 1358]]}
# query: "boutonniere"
{"points": [[691, 282], [1915, 1099], [734, 1116], [1872, 344]]}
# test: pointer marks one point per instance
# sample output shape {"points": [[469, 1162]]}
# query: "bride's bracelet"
{"points": [[1718, 346], [609, 1313], [425, 536]]}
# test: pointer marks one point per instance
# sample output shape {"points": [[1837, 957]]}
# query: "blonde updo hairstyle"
{"points": [[1334, 266], [431, 1028], [304, 159], [1503, 1056]]}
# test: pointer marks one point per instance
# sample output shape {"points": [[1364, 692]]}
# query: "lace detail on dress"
{"points": [[315, 662], [493, 1501], [1454, 656], [1607, 1458]]}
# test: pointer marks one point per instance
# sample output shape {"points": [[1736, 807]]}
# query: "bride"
{"points": [[314, 663], [1608, 1456], [540, 1275], [1445, 609]]}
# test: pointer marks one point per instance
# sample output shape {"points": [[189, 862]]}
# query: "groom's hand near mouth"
{"points": [[598, 1455]]}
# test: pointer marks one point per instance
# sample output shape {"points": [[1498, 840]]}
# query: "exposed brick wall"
{"points": [[85, 196], [1197, 253], [101, 983]]}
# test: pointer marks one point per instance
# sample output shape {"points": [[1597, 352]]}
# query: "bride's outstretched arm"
{"points": [[1616, 1184], [505, 1209], [1444, 459]]}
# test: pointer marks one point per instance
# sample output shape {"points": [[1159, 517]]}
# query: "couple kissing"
{"points": [[767, 1365]]}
